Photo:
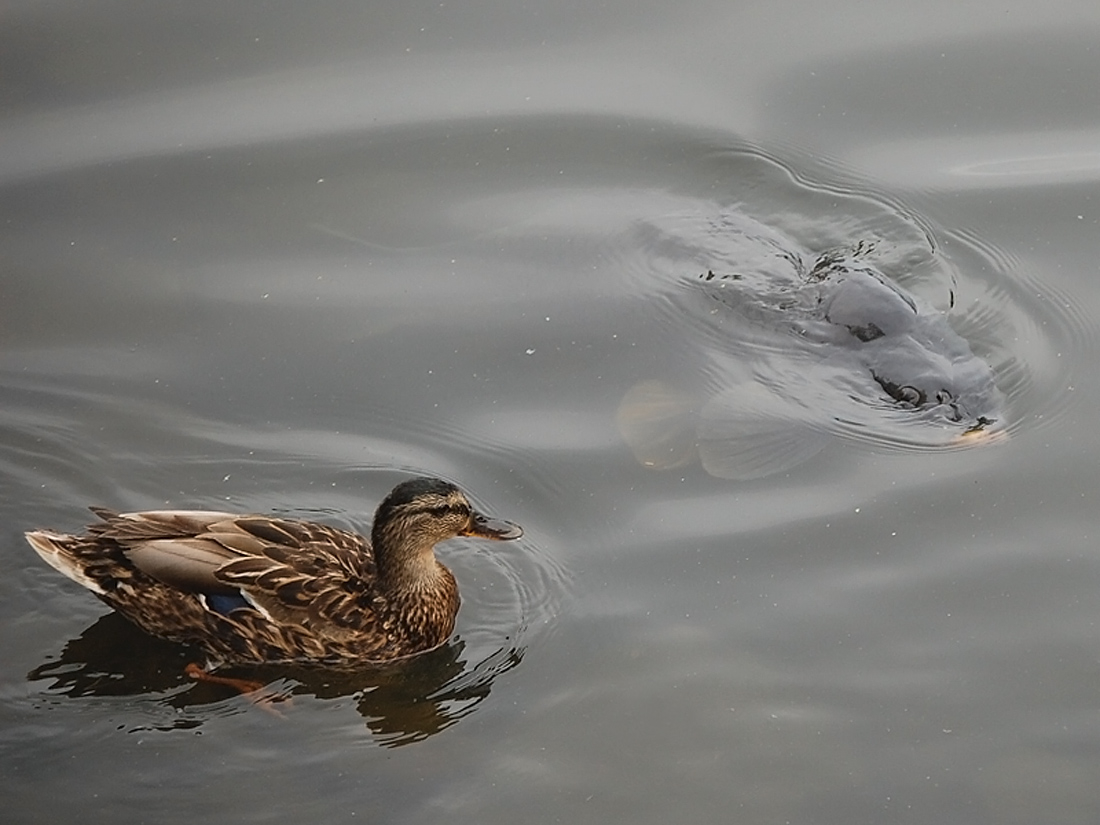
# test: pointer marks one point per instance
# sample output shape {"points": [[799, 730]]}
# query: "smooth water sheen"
{"points": [[278, 258]]}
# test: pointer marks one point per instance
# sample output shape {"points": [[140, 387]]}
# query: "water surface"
{"points": [[277, 260]]}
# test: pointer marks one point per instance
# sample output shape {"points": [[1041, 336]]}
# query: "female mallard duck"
{"points": [[252, 589]]}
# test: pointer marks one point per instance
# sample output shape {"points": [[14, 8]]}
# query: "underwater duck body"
{"points": [[801, 354]]}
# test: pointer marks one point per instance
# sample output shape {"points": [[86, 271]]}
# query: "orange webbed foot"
{"points": [[246, 687]]}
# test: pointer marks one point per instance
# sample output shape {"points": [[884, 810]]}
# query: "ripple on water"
{"points": [[758, 386]]}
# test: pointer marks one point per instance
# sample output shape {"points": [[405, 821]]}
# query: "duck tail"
{"points": [[57, 550]]}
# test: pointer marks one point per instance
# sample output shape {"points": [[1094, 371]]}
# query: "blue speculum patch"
{"points": [[225, 604]]}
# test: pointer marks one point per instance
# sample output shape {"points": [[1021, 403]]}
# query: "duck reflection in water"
{"points": [[400, 703]]}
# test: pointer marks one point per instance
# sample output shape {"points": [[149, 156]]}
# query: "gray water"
{"points": [[277, 258]]}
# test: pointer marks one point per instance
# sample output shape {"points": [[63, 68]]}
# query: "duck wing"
{"points": [[283, 566], [303, 566]]}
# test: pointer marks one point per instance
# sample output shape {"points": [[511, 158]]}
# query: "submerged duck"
{"points": [[798, 355], [909, 349], [254, 588]]}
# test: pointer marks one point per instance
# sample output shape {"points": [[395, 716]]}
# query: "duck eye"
{"points": [[866, 332]]}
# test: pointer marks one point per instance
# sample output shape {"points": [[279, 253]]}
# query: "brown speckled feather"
{"points": [[296, 590]]}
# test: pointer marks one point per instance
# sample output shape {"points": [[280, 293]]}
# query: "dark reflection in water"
{"points": [[401, 703], [410, 701], [114, 658]]}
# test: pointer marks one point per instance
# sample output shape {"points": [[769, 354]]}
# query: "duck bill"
{"points": [[975, 437], [492, 528], [983, 431]]}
